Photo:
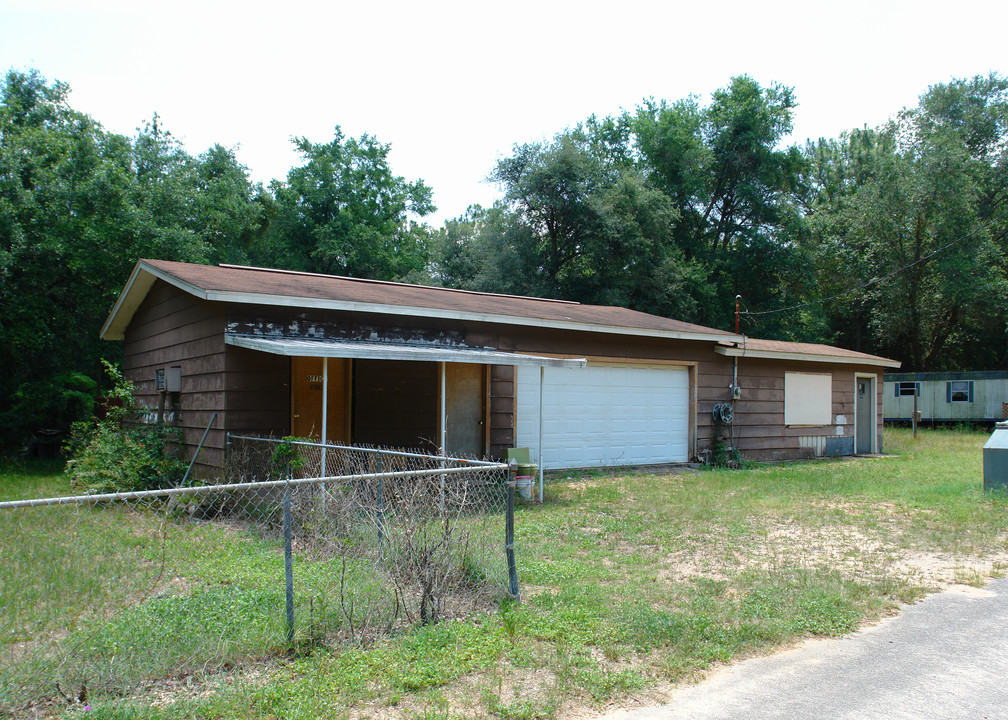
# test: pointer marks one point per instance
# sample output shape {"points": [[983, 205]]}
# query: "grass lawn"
{"points": [[631, 581]]}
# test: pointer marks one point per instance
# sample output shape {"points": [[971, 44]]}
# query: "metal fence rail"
{"points": [[103, 594]]}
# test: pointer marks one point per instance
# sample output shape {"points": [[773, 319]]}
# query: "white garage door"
{"points": [[605, 415]]}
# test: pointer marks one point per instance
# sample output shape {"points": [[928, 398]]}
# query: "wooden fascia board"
{"points": [[805, 357]]}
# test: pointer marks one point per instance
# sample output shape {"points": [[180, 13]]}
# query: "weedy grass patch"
{"points": [[631, 580]]}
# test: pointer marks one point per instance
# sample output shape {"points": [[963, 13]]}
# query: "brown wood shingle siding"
{"points": [[759, 428], [171, 328], [760, 431], [258, 392]]}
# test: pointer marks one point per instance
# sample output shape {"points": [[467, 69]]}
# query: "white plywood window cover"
{"points": [[808, 398]]}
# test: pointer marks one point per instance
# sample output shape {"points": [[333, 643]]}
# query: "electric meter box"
{"points": [[168, 379]]}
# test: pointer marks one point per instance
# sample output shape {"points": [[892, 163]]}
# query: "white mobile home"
{"points": [[946, 397]]}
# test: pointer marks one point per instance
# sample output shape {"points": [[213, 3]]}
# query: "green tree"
{"points": [[230, 211], [733, 188], [78, 206], [487, 250], [721, 165], [633, 262], [915, 214], [555, 190], [586, 225], [59, 191], [345, 212], [836, 256]]}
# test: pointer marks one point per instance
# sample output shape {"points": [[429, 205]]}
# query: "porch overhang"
{"points": [[304, 347]]}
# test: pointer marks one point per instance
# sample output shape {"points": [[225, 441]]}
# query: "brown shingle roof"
{"points": [[236, 280]]}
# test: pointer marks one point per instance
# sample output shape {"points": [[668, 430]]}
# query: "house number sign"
{"points": [[314, 378]]}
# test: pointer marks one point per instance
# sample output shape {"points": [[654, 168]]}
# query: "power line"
{"points": [[875, 281]]}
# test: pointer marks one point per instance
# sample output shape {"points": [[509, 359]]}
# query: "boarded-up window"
{"points": [[396, 404], [907, 389], [808, 398]]}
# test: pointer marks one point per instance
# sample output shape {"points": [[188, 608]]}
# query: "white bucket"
{"points": [[525, 484]]}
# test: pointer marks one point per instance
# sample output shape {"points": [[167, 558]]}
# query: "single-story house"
{"points": [[412, 366]]}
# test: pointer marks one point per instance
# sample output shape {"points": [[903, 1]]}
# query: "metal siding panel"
{"points": [[994, 392], [891, 402]]}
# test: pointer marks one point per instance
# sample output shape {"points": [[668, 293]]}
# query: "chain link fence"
{"points": [[298, 544]]}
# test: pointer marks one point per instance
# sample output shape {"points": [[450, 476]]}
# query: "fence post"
{"points": [[513, 589], [441, 483], [381, 498], [288, 565]]}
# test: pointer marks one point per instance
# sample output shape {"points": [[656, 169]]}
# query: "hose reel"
{"points": [[723, 413]]}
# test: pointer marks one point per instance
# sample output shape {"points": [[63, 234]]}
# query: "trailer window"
{"points": [[959, 391], [907, 389]]}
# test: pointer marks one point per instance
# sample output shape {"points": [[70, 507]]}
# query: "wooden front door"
{"points": [[465, 409], [306, 399]]}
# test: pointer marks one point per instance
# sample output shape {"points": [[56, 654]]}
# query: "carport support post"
{"points": [[325, 413], [542, 380], [444, 428], [444, 411]]}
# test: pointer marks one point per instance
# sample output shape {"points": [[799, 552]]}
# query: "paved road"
{"points": [[945, 657]]}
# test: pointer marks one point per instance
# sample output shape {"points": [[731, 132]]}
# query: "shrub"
{"points": [[118, 452]]}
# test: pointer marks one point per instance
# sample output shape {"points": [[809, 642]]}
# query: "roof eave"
{"points": [[419, 311], [134, 292], [807, 357], [144, 274]]}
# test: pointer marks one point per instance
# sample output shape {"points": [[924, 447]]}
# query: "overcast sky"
{"points": [[453, 86]]}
